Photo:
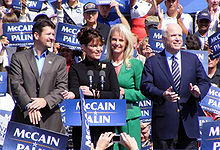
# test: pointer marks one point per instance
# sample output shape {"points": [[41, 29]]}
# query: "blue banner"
{"points": [[32, 5], [19, 34], [146, 110], [214, 44], [3, 83], [66, 36], [5, 117], [203, 119], [211, 102], [27, 137], [101, 112], [203, 57], [210, 136], [86, 137], [155, 40]]}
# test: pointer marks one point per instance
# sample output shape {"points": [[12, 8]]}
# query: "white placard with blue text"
{"points": [[26, 137], [101, 112], [19, 34]]}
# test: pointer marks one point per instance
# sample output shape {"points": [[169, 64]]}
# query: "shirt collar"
{"points": [[169, 55], [42, 55]]}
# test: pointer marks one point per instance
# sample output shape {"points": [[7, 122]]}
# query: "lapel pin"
{"points": [[50, 62]]}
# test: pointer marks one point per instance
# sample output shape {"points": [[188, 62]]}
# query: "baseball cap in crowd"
{"points": [[90, 7], [103, 2], [151, 20], [204, 15]]}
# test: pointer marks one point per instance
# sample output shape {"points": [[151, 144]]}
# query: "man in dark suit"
{"points": [[37, 79], [175, 81]]}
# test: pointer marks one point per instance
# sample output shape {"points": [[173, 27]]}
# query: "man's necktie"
{"points": [[175, 73]]}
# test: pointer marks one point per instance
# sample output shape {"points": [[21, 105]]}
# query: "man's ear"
{"points": [[36, 35]]}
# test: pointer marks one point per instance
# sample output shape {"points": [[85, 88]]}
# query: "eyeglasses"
{"points": [[96, 46]]}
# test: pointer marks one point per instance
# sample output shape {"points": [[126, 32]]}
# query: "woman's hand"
{"points": [[68, 95], [86, 91]]}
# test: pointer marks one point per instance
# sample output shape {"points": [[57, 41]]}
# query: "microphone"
{"points": [[102, 78], [90, 78]]}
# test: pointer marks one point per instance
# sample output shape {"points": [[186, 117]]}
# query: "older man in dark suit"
{"points": [[38, 77], [175, 81]]}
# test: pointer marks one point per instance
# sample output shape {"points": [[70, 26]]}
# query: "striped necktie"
{"points": [[175, 73]]}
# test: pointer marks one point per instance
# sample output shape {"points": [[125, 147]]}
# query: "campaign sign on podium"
{"points": [[3, 83], [26, 137], [66, 35], [211, 102], [101, 112], [19, 34], [210, 136]]}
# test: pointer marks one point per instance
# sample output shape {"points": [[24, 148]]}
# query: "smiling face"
{"points": [[171, 5], [203, 24], [46, 38], [213, 4], [93, 49], [118, 42], [173, 38], [91, 16]]}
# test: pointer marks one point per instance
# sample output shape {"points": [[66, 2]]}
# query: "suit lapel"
{"points": [[165, 68], [49, 61], [33, 65]]}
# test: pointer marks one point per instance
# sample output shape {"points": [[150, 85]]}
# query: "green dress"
{"points": [[129, 79]]}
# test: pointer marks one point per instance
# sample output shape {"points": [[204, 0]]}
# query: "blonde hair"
{"points": [[143, 42], [128, 52]]}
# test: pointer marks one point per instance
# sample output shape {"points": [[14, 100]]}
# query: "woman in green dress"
{"points": [[128, 70]]}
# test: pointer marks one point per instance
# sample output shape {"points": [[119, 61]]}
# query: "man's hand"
{"points": [[86, 91], [68, 95], [128, 142], [104, 141], [37, 103], [34, 116], [170, 96], [195, 91], [160, 13]]}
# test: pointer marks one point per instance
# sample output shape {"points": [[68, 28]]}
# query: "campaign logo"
{"points": [[101, 112], [27, 137], [214, 44], [19, 34], [146, 110], [32, 5]]}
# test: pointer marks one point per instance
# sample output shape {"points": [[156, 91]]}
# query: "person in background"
{"points": [[145, 49], [175, 81], [105, 140], [214, 11], [128, 70], [92, 44], [203, 22], [139, 11], [90, 13], [104, 7], [192, 43], [70, 12], [175, 14], [37, 103]]}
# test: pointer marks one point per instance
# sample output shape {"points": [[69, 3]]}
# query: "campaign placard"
{"points": [[3, 83], [66, 35], [19, 34], [32, 5], [26, 137], [5, 117], [101, 112], [203, 57], [203, 119], [146, 110], [214, 44], [210, 136], [211, 102], [155, 40]]}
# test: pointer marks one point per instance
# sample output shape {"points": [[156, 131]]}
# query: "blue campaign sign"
{"points": [[3, 83], [19, 34], [211, 102], [66, 36], [203, 119], [210, 136], [203, 57], [101, 112], [146, 110], [155, 40], [5, 117], [26, 137], [214, 44], [32, 5]]}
